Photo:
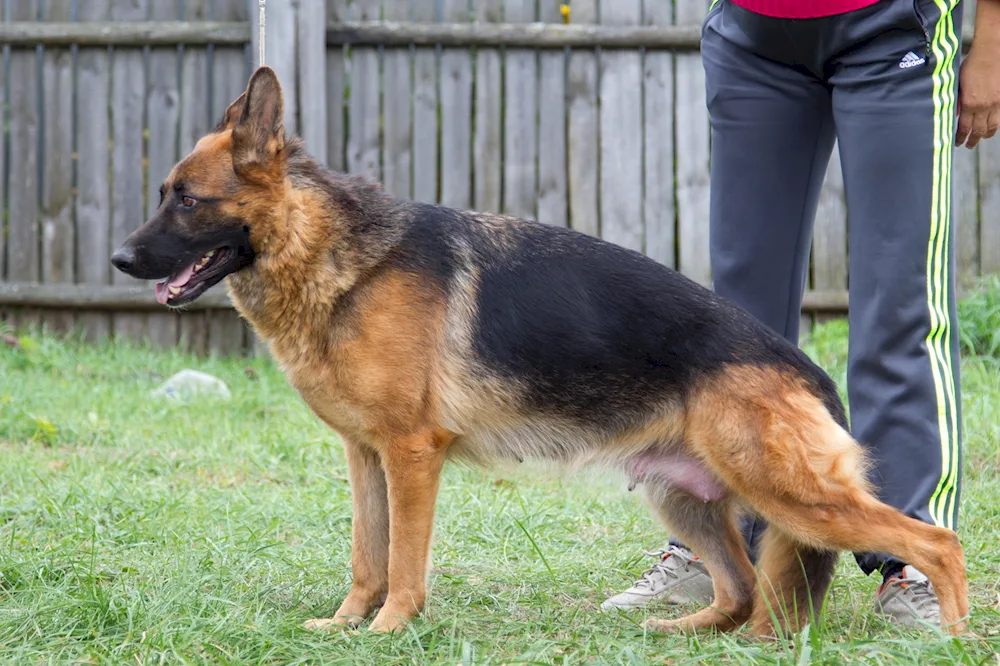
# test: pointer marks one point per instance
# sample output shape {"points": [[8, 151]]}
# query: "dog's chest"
{"points": [[328, 382], [328, 398], [337, 411], [317, 376]]}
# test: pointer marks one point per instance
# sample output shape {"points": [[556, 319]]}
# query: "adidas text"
{"points": [[911, 59]]}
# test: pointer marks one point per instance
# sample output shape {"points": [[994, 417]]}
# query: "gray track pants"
{"points": [[883, 81]]}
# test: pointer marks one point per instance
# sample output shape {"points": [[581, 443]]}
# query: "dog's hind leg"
{"points": [[369, 540], [709, 529], [860, 523], [774, 443], [793, 581]]}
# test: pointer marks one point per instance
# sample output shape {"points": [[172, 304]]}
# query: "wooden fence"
{"points": [[595, 121]]}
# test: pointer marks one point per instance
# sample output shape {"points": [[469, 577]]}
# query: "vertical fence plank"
{"points": [[989, 206], [659, 205], [363, 125], [583, 129], [127, 196], [692, 153], [965, 205], [229, 63], [829, 245], [988, 154], [336, 74], [194, 119], [397, 157], [310, 50], [280, 44], [621, 133], [456, 114], [226, 330], [425, 112], [487, 142], [971, 229], [194, 102], [520, 145], [58, 236], [93, 167], [552, 203], [163, 113], [22, 196]]}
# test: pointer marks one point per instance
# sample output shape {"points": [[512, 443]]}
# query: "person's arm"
{"points": [[979, 80]]}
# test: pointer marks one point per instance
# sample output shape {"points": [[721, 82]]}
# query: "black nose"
{"points": [[123, 259]]}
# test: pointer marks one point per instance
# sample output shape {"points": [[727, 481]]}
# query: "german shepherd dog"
{"points": [[421, 333]]}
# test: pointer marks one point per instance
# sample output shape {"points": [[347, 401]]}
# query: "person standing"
{"points": [[885, 78]]}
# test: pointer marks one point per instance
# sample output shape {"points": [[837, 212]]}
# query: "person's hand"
{"points": [[978, 98], [979, 80]]}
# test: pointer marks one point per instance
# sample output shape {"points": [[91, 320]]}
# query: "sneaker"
{"points": [[908, 599], [678, 577]]}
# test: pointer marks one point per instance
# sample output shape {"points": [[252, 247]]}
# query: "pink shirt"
{"points": [[802, 9]]}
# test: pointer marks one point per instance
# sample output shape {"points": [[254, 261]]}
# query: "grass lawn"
{"points": [[139, 531]]}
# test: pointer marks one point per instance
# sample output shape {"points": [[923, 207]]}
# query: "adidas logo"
{"points": [[911, 59]]}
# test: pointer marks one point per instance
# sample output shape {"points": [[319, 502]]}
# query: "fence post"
{"points": [[279, 50], [295, 48], [312, 102], [692, 152]]}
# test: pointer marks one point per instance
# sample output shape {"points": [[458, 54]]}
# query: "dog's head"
{"points": [[216, 203]]}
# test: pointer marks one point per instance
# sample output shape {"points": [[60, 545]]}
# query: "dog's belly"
{"points": [[519, 442], [675, 470], [664, 466]]}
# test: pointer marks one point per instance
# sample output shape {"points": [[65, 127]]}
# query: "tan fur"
{"points": [[800, 446], [377, 369]]}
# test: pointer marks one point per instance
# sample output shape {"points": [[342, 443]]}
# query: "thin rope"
{"points": [[260, 17]]}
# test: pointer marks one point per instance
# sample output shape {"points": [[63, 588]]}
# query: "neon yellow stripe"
{"points": [[943, 49], [944, 240], [712, 5], [951, 487], [935, 220], [936, 286]]}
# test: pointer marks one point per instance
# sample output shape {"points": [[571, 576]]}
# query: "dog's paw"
{"points": [[331, 624], [658, 626], [387, 622]]}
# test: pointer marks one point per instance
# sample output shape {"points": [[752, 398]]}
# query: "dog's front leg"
{"points": [[413, 471], [369, 540]]}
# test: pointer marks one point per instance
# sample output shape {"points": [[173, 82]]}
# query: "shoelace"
{"points": [[919, 591], [658, 572]]}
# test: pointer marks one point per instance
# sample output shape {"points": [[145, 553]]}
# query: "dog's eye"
{"points": [[188, 202]]}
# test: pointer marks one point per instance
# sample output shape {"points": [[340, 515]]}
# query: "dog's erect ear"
{"points": [[258, 133], [233, 113]]}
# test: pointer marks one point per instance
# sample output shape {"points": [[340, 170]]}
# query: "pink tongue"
{"points": [[179, 280]]}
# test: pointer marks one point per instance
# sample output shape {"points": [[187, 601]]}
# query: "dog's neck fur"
{"points": [[304, 269]]}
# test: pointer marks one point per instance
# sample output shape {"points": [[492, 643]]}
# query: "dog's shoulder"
{"points": [[427, 240]]}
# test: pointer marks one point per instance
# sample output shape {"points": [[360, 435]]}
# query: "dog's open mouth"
{"points": [[192, 281]]}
